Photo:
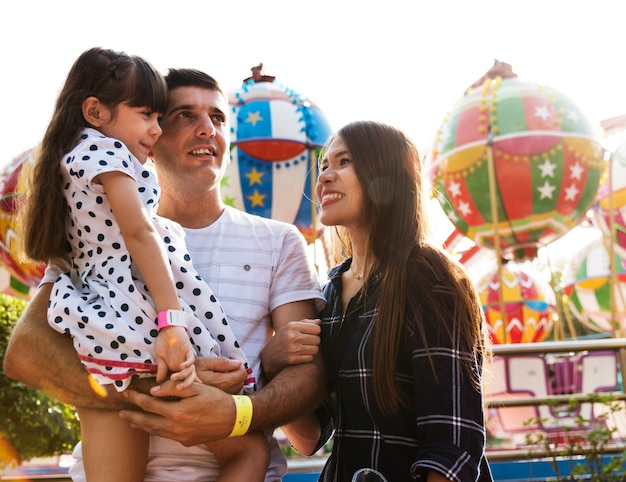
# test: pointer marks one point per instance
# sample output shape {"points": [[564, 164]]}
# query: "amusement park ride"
{"points": [[515, 166]]}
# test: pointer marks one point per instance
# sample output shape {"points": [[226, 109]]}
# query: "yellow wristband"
{"points": [[243, 404]]}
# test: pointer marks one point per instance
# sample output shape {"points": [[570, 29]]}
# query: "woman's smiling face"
{"points": [[338, 189]]}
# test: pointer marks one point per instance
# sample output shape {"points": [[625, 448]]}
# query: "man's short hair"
{"points": [[192, 78]]}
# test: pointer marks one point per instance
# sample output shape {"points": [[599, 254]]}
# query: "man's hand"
{"points": [[193, 417], [293, 344], [198, 417], [224, 373]]}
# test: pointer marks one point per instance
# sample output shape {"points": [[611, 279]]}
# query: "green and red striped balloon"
{"points": [[547, 161], [588, 287]]}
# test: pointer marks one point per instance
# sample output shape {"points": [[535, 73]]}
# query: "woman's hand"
{"points": [[293, 344]]}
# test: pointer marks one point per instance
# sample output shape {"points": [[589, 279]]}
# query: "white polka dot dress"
{"points": [[102, 302]]}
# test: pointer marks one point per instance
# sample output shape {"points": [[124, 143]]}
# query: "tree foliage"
{"points": [[32, 424]]}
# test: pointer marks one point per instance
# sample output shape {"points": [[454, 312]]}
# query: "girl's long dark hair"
{"points": [[387, 165], [112, 77]]}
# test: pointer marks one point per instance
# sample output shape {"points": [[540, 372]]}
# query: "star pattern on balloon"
{"points": [[254, 176], [464, 207], [452, 216], [254, 117], [454, 188], [542, 111], [571, 193], [538, 149], [257, 198], [547, 168], [546, 190], [275, 135], [573, 116], [576, 171]]}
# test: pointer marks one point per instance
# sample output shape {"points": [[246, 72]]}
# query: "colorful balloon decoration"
{"points": [[276, 135], [23, 276], [612, 196], [547, 165], [588, 288], [529, 313], [10, 285]]}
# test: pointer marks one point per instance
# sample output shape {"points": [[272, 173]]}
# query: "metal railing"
{"points": [[618, 345]]}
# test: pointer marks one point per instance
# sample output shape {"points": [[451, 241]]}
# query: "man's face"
{"points": [[196, 136]]}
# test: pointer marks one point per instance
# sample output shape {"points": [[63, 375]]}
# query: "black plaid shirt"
{"points": [[443, 431]]}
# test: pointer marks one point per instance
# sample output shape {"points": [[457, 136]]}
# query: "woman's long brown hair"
{"points": [[387, 165]]}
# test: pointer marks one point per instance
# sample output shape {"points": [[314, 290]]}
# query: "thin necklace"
{"points": [[356, 276]]}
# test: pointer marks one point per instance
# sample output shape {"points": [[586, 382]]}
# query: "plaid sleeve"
{"points": [[324, 416]]}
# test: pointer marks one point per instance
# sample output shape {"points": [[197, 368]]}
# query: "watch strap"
{"points": [[171, 318]]}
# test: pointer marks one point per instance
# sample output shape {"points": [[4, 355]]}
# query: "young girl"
{"points": [[131, 300]]}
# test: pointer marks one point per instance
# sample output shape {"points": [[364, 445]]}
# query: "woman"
{"points": [[402, 332]]}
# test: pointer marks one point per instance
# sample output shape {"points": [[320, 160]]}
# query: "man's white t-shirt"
{"points": [[253, 265]]}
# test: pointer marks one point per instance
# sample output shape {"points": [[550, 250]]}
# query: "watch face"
{"points": [[172, 318], [177, 318]]}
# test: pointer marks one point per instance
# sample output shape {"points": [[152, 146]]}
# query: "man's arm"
{"points": [[296, 389], [205, 413], [44, 359], [294, 344]]}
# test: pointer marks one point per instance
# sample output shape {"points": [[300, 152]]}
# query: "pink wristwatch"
{"points": [[171, 318]]}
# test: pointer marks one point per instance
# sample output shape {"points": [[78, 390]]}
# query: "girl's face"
{"points": [[137, 127], [338, 189]]}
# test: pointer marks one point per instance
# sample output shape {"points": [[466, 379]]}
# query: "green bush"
{"points": [[589, 437], [32, 424]]}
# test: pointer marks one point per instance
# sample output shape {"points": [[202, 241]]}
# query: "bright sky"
{"points": [[399, 61]]}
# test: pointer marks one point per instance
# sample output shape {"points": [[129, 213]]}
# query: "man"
{"points": [[259, 272]]}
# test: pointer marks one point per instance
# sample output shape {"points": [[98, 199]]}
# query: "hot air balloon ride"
{"points": [[21, 277], [610, 208], [517, 308], [276, 135], [516, 164], [10, 285], [596, 289]]}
